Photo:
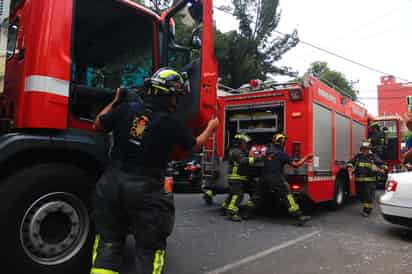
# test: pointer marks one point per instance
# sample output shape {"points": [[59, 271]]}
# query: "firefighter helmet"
{"points": [[279, 139], [365, 144], [242, 138], [166, 81], [374, 125]]}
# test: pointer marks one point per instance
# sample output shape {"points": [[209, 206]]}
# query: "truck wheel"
{"points": [[339, 196], [47, 227]]}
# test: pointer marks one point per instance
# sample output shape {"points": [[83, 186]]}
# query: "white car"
{"points": [[396, 203]]}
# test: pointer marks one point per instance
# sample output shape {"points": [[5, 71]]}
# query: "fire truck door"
{"points": [[209, 70], [108, 54], [12, 59], [200, 105]]}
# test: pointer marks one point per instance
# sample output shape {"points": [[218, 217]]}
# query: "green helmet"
{"points": [[166, 81], [242, 138]]}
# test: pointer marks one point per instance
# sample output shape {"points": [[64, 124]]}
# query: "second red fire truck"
{"points": [[316, 119]]}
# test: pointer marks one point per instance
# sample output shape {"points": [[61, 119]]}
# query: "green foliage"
{"points": [[156, 5], [249, 52], [160, 5], [252, 51], [333, 78], [183, 25], [184, 28]]}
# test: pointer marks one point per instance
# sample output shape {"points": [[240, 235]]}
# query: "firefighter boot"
{"points": [[224, 209], [249, 210], [295, 211], [367, 210], [302, 219], [208, 196], [233, 209], [233, 216]]}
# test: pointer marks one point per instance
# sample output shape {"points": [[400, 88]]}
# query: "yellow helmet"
{"points": [[166, 81], [278, 138]]}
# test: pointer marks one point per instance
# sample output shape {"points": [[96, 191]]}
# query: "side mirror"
{"points": [[196, 10], [197, 38], [385, 129]]}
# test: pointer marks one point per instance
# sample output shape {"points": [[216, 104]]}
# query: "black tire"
{"points": [[51, 200], [340, 194]]}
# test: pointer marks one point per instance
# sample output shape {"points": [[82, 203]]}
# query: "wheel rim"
{"points": [[339, 194], [54, 228]]}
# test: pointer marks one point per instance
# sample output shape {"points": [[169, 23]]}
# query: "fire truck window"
{"points": [[13, 5], [390, 129], [180, 54], [12, 38], [178, 59], [113, 45]]}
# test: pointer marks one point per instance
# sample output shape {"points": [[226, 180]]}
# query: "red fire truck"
{"points": [[316, 119], [64, 61]]}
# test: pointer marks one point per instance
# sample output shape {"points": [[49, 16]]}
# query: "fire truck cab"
{"points": [[391, 126], [63, 61], [316, 119]]}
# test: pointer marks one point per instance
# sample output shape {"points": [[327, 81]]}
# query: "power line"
{"points": [[332, 53], [346, 59]]}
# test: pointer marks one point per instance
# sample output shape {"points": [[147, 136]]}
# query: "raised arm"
{"points": [[300, 162]]}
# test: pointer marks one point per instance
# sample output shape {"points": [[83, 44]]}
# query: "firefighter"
{"points": [[133, 195], [365, 166], [273, 178], [257, 153], [376, 139], [238, 175]]}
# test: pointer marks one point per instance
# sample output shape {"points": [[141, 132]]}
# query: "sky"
{"points": [[376, 33]]}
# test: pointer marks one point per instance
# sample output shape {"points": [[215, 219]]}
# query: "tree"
{"points": [[252, 50], [160, 5], [156, 5], [333, 78]]}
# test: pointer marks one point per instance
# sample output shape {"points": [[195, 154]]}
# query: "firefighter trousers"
{"points": [[124, 203], [208, 189], [366, 194], [279, 186], [235, 197]]}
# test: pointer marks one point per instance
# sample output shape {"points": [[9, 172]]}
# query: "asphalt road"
{"points": [[334, 242]]}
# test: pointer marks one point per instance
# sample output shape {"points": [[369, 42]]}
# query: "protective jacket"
{"points": [[377, 140], [131, 195], [238, 164], [364, 167]]}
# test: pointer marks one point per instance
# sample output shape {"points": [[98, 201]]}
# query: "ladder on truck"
{"points": [[209, 159]]}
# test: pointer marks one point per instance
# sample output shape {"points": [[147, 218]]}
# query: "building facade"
{"points": [[392, 96]]}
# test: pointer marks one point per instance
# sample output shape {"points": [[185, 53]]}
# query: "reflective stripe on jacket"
{"points": [[238, 164]]}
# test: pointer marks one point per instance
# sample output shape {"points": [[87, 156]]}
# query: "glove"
{"points": [[375, 168]]}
